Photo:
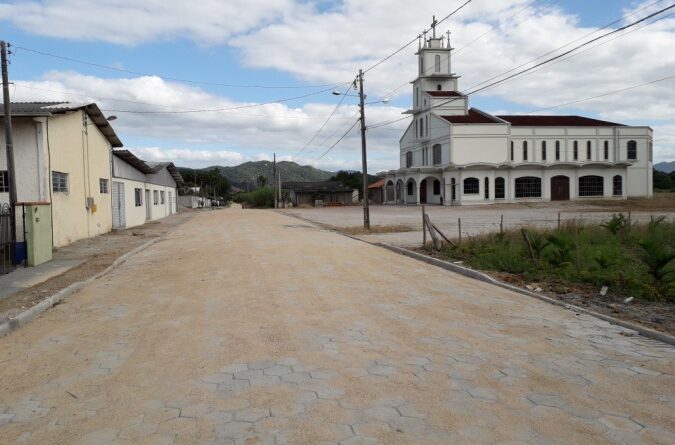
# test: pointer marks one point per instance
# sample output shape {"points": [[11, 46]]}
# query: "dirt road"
{"points": [[251, 327]]}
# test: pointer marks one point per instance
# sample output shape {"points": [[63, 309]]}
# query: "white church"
{"points": [[452, 154]]}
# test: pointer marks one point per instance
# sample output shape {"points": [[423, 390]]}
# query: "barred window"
{"points": [[500, 188], [576, 150], [606, 150], [512, 155], [528, 187], [408, 159], [487, 188], [453, 193], [471, 186], [437, 187], [138, 197], [437, 154], [632, 150], [543, 150], [524, 150], [617, 183], [588, 150], [591, 186], [103, 185], [557, 150], [155, 197], [4, 181], [60, 182], [161, 197]]}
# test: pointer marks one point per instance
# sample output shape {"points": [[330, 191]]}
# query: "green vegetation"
{"points": [[664, 181], [262, 198], [210, 182], [353, 179], [632, 259], [248, 174]]}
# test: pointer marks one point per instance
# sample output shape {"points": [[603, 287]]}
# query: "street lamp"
{"points": [[364, 160]]}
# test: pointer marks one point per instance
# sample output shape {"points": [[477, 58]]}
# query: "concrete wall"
{"points": [[84, 154]]}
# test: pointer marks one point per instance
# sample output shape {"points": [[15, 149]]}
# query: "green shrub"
{"points": [[261, 198]]}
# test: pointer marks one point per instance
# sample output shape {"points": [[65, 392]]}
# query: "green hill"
{"points": [[248, 172]]}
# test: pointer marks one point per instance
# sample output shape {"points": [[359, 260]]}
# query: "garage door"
{"points": [[119, 217]]}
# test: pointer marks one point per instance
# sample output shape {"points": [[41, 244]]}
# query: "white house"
{"points": [[142, 191], [454, 154]]}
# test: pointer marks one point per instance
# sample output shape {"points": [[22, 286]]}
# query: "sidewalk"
{"points": [[26, 277]]}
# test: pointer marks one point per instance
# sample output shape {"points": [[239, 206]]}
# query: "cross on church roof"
{"points": [[433, 27]]}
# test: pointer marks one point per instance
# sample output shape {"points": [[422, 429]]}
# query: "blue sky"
{"points": [[299, 44]]}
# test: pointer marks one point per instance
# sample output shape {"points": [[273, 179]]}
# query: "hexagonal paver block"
{"points": [[234, 430], [323, 374], [382, 370], [383, 413], [330, 393], [177, 425], [371, 428], [248, 374], [278, 370], [546, 400], [263, 364], [359, 440], [234, 368], [251, 414], [5, 418], [483, 393], [160, 415], [409, 411], [296, 377], [620, 423], [99, 437], [138, 431]]}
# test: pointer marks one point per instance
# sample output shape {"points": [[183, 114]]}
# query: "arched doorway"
{"points": [[400, 199], [423, 191], [410, 191], [560, 188]]}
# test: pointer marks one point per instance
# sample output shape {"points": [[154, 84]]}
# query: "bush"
{"points": [[262, 198]]}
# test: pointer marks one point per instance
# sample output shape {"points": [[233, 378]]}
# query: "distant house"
{"points": [[311, 193], [376, 192], [193, 202], [62, 155], [142, 191]]}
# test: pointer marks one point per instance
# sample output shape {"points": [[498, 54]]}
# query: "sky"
{"points": [[268, 68]]}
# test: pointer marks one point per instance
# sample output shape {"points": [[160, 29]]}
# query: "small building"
{"points": [[193, 202], [376, 192], [322, 193], [62, 158], [142, 191]]}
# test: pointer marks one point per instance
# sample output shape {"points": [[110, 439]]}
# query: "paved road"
{"points": [[250, 327]]}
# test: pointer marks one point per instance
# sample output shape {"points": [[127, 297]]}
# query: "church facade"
{"points": [[453, 154]]}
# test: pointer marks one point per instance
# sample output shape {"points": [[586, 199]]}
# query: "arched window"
{"points": [[453, 185], [528, 187], [576, 150], [591, 186], [543, 150], [500, 188], [487, 188], [437, 154], [632, 150], [512, 153], [588, 150], [408, 159], [410, 186], [557, 150], [524, 150], [617, 185], [437, 61], [606, 150], [439, 87], [471, 186], [437, 187]]}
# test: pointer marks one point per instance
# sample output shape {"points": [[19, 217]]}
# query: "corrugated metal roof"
{"points": [[556, 121], [40, 109]]}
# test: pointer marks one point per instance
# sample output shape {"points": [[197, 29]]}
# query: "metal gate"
{"points": [[7, 242], [119, 215]]}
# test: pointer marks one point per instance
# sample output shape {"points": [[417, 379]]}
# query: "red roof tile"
{"points": [[377, 185], [444, 94], [556, 121], [474, 117]]}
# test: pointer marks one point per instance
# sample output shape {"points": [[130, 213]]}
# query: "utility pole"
{"points": [[274, 178], [9, 143], [364, 161]]}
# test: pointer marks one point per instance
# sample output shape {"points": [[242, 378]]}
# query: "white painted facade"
{"points": [[448, 147]]}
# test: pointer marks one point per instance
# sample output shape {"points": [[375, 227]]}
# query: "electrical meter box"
{"points": [[38, 233]]}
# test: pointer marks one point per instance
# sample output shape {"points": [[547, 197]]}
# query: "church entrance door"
{"points": [[560, 188], [423, 192]]}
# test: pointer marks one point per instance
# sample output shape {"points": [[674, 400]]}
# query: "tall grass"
{"points": [[261, 198], [632, 259]]}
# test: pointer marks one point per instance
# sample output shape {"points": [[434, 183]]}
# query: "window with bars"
{"points": [[155, 197], [617, 185], [103, 186], [557, 150], [606, 150], [4, 181], [528, 187], [437, 187], [453, 186], [576, 150], [162, 199], [408, 159], [632, 150], [524, 150], [471, 186], [487, 188], [512, 151], [543, 150], [588, 150], [500, 188], [437, 154], [591, 186], [60, 182], [138, 197]]}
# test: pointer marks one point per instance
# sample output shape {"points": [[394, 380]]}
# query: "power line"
{"points": [[173, 79], [339, 140], [416, 38]]}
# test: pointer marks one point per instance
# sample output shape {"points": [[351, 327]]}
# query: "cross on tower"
{"points": [[448, 33], [433, 27]]}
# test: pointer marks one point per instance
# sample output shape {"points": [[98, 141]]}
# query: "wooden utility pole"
{"points": [[364, 161], [9, 143], [274, 178]]}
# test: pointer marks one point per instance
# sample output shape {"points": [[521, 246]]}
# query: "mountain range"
{"points": [[248, 172], [665, 167]]}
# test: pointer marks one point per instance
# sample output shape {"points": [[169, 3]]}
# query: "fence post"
{"points": [[558, 221], [459, 225], [501, 225], [424, 229], [576, 226]]}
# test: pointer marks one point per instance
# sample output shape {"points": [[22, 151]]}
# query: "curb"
{"points": [[29, 314], [480, 276]]}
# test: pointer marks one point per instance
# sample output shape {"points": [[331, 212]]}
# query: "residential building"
{"points": [[62, 157], [325, 193], [142, 191], [454, 154]]}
